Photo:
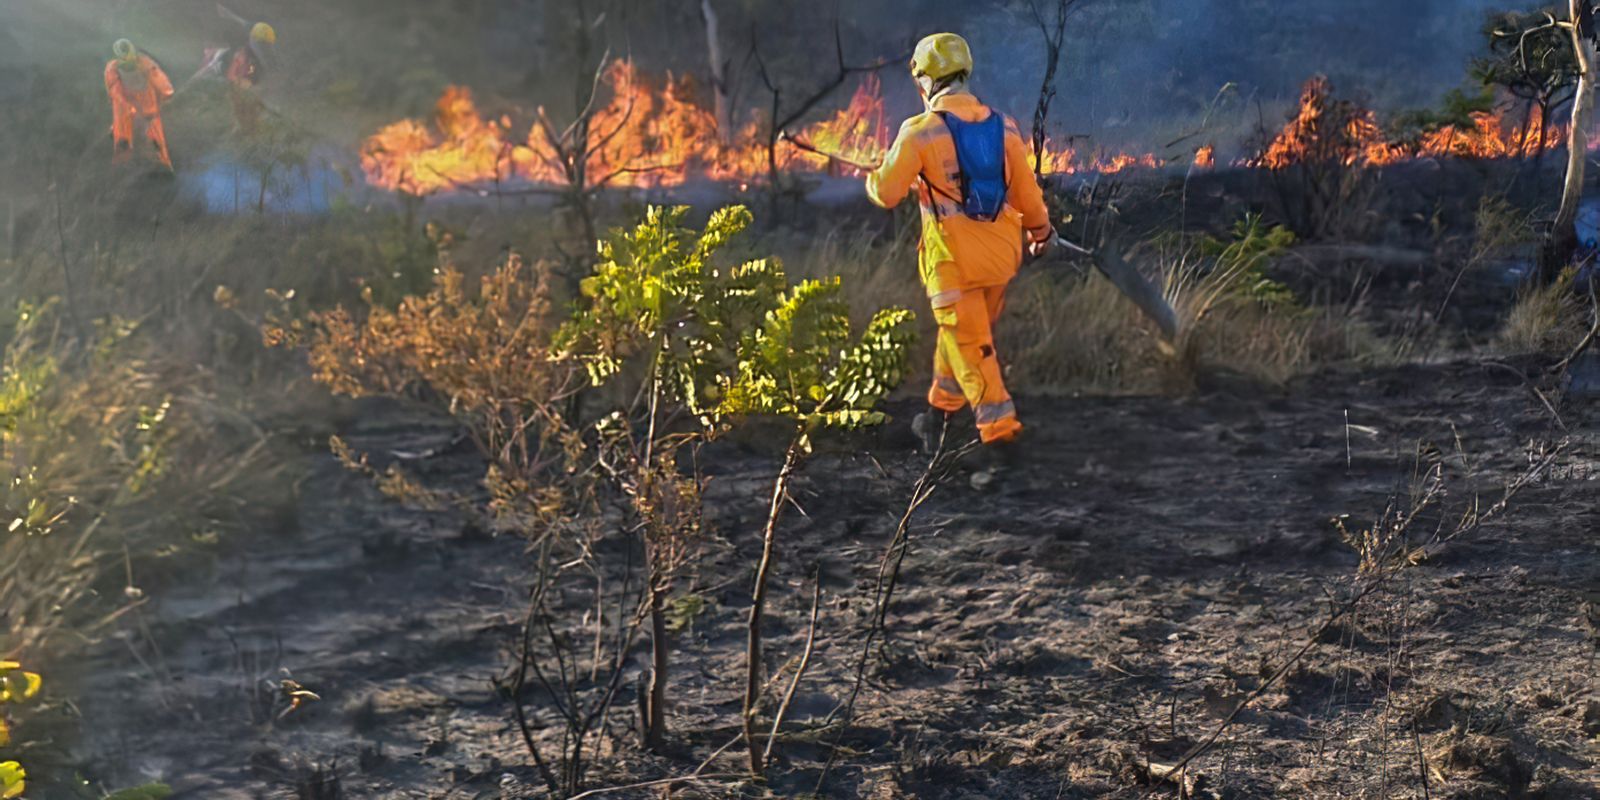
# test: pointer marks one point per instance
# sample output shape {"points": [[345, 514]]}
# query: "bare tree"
{"points": [[1562, 240], [723, 104], [780, 121], [1054, 31]]}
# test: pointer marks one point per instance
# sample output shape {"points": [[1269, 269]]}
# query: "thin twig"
{"points": [[800, 671], [1390, 565], [939, 468], [650, 784]]}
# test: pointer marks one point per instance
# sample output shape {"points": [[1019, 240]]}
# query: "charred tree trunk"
{"points": [[1055, 33], [1562, 240], [722, 105], [1527, 128], [583, 93], [1544, 131]]}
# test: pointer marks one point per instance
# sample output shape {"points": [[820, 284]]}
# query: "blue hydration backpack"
{"points": [[981, 155]]}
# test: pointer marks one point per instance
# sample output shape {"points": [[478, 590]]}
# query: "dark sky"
{"points": [[1136, 68]]}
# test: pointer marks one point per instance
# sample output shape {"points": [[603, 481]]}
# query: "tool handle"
{"points": [[1071, 247]]}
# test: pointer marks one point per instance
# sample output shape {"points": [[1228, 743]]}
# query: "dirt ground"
{"points": [[1106, 604]]}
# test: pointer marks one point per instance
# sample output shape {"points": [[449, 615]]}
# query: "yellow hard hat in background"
{"points": [[940, 56], [262, 33], [124, 50]]}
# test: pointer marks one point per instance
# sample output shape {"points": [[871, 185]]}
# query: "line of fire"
{"points": [[652, 135]]}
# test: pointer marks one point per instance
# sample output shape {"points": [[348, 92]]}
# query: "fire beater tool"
{"points": [[834, 157], [1128, 280]]}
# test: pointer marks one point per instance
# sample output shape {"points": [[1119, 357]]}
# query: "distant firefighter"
{"points": [[137, 87], [243, 63]]}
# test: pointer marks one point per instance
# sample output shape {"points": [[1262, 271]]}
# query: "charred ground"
{"points": [[1161, 548]]}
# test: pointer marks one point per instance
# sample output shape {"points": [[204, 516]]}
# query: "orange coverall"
{"points": [[965, 264], [136, 94], [244, 70]]}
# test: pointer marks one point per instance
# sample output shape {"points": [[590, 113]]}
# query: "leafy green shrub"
{"points": [[732, 343], [698, 345], [1238, 265], [150, 791], [721, 344]]}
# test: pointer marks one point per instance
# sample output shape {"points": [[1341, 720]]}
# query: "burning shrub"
{"points": [[1321, 162], [640, 137], [1317, 163]]}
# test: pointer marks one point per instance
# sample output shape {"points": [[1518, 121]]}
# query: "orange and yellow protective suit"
{"points": [[137, 90], [965, 263], [244, 71]]}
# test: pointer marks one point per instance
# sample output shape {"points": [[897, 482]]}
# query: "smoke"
{"points": [[1139, 70], [1136, 74]]}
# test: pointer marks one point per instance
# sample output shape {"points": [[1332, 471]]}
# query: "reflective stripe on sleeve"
{"points": [[945, 299], [994, 412]]}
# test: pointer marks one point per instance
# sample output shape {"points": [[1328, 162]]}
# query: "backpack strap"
{"points": [[932, 189]]}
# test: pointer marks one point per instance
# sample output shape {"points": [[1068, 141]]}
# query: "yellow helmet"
{"points": [[124, 51], [941, 55], [262, 33]]}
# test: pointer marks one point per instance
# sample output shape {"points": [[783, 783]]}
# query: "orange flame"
{"points": [[639, 138], [1328, 129], [409, 157], [1066, 160], [642, 137]]}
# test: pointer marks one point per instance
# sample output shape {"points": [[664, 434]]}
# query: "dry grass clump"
{"points": [[108, 454], [1234, 319], [1081, 334], [1070, 330], [880, 268], [1549, 318]]}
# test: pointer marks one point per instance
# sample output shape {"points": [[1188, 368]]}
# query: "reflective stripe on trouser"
{"points": [[965, 367], [123, 123]]}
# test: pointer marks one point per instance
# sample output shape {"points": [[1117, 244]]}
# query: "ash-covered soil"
{"points": [[1104, 605]]}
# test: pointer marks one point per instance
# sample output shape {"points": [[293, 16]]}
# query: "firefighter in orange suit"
{"points": [[965, 262], [243, 63], [136, 87]]}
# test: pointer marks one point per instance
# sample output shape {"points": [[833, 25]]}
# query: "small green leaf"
{"points": [[13, 780]]}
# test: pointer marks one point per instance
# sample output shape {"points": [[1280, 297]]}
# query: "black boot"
{"points": [[992, 462], [929, 428]]}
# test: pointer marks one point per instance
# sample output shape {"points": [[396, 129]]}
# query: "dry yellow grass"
{"points": [[1548, 319], [1072, 331]]}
